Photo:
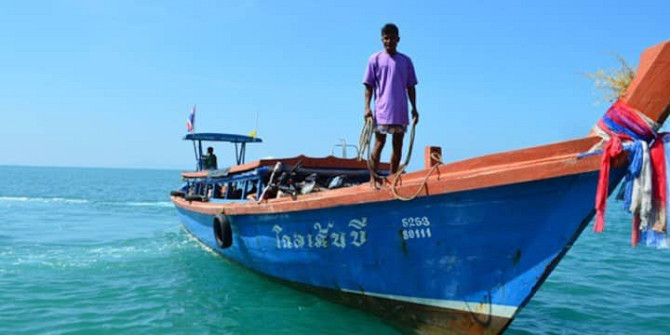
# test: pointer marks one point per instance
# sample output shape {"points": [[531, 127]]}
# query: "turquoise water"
{"points": [[102, 251]]}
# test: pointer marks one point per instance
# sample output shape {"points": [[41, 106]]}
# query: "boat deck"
{"points": [[525, 165]]}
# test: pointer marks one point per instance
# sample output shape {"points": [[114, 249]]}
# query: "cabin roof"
{"points": [[329, 162], [219, 137]]}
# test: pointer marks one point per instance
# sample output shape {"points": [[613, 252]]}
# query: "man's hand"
{"points": [[415, 115], [368, 114], [368, 97]]}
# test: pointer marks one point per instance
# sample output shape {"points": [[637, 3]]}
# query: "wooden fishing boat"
{"points": [[463, 256]]}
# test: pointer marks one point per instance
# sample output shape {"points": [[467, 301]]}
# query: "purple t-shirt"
{"points": [[390, 76]]}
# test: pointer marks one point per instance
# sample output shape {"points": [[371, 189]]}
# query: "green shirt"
{"points": [[209, 162]]}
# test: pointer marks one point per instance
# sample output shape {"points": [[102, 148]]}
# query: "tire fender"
{"points": [[223, 233]]}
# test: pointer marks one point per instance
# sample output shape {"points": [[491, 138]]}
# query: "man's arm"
{"points": [[411, 93], [368, 98]]}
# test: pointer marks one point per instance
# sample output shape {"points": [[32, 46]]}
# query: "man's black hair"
{"points": [[390, 29], [210, 149]]}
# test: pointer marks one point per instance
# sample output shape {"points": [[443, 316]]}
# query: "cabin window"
{"points": [[197, 187], [251, 189], [209, 190], [234, 190], [218, 190]]}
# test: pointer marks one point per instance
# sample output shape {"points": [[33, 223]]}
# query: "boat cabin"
{"points": [[266, 178]]}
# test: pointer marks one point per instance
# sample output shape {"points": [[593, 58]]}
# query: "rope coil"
{"points": [[436, 157], [365, 144]]}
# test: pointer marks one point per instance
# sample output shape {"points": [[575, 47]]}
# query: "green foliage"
{"points": [[613, 82]]}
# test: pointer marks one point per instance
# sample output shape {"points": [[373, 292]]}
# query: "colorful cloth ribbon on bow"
{"points": [[645, 193]]}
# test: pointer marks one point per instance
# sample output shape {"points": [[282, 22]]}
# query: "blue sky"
{"points": [[110, 83]]}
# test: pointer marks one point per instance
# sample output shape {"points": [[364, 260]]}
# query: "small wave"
{"points": [[150, 204], [162, 204], [163, 245], [44, 200]]}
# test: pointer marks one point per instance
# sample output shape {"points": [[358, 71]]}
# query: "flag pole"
{"points": [[195, 152], [192, 130], [256, 124], [253, 133]]}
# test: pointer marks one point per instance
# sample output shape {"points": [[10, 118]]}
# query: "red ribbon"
{"points": [[612, 149], [659, 180], [635, 231]]}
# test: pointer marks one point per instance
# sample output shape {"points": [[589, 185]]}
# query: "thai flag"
{"points": [[190, 122]]}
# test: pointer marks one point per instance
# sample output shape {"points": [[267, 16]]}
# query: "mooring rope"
{"points": [[436, 157], [365, 144], [364, 139], [411, 146]]}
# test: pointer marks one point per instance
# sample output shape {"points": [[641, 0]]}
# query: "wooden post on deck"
{"points": [[428, 159]]}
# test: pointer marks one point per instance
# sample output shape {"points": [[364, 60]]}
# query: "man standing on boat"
{"points": [[390, 76]]}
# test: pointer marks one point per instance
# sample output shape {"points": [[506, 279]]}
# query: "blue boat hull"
{"points": [[465, 260]]}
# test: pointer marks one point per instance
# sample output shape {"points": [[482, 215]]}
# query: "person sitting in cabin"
{"points": [[235, 192], [390, 75], [252, 191], [223, 190], [209, 160]]}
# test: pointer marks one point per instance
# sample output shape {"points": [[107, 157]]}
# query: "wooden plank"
{"points": [[649, 92]]}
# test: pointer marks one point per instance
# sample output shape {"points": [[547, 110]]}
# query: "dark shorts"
{"points": [[390, 129]]}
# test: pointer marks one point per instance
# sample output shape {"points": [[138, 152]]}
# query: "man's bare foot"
{"points": [[376, 183]]}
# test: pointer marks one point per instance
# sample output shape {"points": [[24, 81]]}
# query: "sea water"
{"points": [[102, 251]]}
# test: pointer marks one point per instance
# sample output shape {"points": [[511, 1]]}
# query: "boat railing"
{"points": [[290, 180]]}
